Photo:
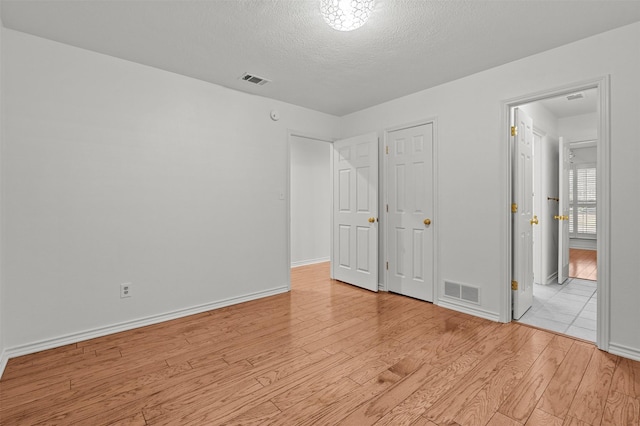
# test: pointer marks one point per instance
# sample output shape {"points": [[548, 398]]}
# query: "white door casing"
{"points": [[564, 164], [603, 182], [523, 218], [410, 201], [355, 211]]}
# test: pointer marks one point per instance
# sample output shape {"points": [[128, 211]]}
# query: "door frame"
{"points": [[384, 201], [603, 186], [322, 139]]}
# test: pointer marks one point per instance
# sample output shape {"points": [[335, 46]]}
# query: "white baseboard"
{"points": [[4, 358], [583, 243], [129, 325], [309, 262], [551, 279], [624, 351], [466, 309]]}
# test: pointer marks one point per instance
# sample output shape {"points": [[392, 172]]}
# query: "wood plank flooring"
{"points": [[326, 353], [583, 264]]}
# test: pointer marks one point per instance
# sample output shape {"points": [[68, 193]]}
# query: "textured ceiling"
{"points": [[407, 45]]}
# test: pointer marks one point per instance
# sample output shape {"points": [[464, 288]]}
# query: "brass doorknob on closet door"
{"points": [[556, 217], [534, 221], [372, 219], [427, 221]]}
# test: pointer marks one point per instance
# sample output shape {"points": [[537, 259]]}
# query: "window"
{"points": [[582, 201]]}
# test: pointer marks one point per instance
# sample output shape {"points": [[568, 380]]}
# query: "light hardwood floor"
{"points": [[326, 353], [583, 264]]}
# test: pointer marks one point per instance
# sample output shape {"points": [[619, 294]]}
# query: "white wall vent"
{"points": [[470, 294], [574, 96], [254, 79], [452, 289], [462, 292]]}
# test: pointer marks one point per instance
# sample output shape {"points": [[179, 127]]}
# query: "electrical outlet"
{"points": [[125, 290]]}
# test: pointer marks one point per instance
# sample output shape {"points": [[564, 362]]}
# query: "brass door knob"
{"points": [[427, 221], [534, 221], [372, 219], [558, 217]]}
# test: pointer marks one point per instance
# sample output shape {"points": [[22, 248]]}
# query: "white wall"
{"points": [[310, 201], [586, 155], [116, 172], [579, 128], [543, 120], [3, 359], [472, 165]]}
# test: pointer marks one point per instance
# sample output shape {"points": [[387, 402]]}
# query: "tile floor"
{"points": [[569, 308]]}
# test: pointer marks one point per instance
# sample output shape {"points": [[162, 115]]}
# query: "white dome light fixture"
{"points": [[346, 15]]}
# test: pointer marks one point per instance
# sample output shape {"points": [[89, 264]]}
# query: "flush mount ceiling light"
{"points": [[346, 15]]}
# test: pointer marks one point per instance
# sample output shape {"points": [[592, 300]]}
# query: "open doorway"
{"points": [[333, 208], [310, 200], [564, 206]]}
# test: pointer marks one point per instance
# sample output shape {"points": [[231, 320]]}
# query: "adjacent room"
{"points": [[319, 212], [565, 299]]}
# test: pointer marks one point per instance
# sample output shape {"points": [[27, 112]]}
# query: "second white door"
{"points": [[355, 211], [410, 206]]}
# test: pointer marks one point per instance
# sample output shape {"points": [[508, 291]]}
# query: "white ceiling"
{"points": [[407, 45], [562, 107]]}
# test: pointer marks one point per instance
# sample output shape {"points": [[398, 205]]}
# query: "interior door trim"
{"points": [[603, 208]]}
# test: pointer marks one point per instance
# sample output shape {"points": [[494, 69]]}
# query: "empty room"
{"points": [[319, 212]]}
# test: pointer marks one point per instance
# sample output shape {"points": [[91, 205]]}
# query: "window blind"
{"points": [[582, 201]]}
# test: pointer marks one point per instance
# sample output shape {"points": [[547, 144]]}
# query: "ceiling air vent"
{"points": [[575, 96], [254, 79]]}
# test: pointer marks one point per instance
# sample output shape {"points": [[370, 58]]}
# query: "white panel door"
{"points": [[523, 219], [355, 211], [564, 164], [410, 166]]}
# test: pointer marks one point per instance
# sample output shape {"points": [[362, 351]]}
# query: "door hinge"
{"points": [[514, 285], [387, 266], [514, 131], [514, 208], [387, 208], [387, 149]]}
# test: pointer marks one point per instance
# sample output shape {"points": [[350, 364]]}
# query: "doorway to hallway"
{"points": [[309, 199], [565, 204]]}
